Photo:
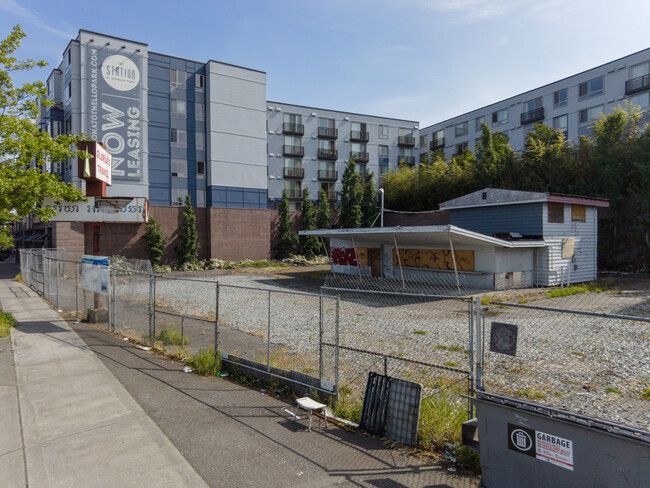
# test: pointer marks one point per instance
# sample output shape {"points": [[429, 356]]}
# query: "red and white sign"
{"points": [[97, 168], [102, 160]]}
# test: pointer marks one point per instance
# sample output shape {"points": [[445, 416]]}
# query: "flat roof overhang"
{"points": [[427, 235]]}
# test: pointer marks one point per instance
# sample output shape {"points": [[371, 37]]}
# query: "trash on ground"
{"points": [[187, 369], [183, 360], [144, 348], [125, 338], [224, 374], [262, 391], [60, 311], [451, 470], [291, 413]]}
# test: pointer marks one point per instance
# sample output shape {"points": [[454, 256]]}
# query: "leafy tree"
{"points": [[287, 238], [310, 245], [324, 212], [24, 148], [155, 241], [369, 200], [351, 197], [494, 154], [188, 249]]}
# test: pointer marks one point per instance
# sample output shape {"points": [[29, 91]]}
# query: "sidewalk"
{"points": [[67, 420], [231, 435]]}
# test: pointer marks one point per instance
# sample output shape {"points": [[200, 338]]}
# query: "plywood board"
{"points": [[435, 259]]}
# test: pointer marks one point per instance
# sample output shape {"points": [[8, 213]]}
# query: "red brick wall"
{"points": [[69, 236], [238, 233]]}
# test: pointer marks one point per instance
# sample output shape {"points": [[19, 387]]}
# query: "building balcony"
{"points": [[406, 141], [331, 196], [297, 129], [294, 193], [437, 143], [532, 116], [359, 136], [410, 160], [294, 173], [328, 175], [328, 133], [296, 151], [332, 154], [360, 157], [637, 84]]}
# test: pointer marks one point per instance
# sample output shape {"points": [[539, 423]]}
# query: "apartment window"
{"points": [[326, 145], [461, 129], [200, 198], [49, 88], [460, 148], [561, 123], [199, 111], [68, 125], [480, 120], [383, 132], [638, 70], [293, 188], [555, 213], [200, 170], [383, 169], [178, 108], [199, 83], [293, 119], [560, 98], [405, 155], [532, 104], [56, 167], [179, 138], [578, 213], [176, 78], [293, 124], [438, 138], [56, 127], [178, 196], [590, 114], [358, 131], [68, 59], [424, 140], [326, 127], [500, 117], [591, 88], [179, 168], [358, 151], [640, 100], [200, 140], [68, 92], [293, 163], [293, 141], [383, 155]]}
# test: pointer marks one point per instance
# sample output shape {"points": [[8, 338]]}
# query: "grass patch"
{"points": [[19, 277], [468, 459], [347, 407], [441, 420], [645, 394], [7, 321], [205, 363], [170, 338], [575, 290], [450, 348], [530, 394], [580, 354], [419, 332], [613, 390], [450, 364]]}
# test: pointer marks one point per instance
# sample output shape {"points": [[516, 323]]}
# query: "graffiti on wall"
{"points": [[346, 256], [434, 259]]}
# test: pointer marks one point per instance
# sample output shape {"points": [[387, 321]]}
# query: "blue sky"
{"points": [[425, 60]]}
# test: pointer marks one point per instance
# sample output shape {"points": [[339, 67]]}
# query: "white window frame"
{"points": [[200, 140], [178, 108], [178, 138], [200, 175], [592, 114], [383, 132], [200, 198], [199, 83], [589, 92], [199, 111], [497, 118], [557, 103], [175, 76], [179, 168]]}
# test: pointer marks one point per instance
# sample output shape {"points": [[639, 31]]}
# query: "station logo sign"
{"points": [[120, 72]]}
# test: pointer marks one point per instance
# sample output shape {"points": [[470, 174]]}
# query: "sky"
{"points": [[422, 60]]}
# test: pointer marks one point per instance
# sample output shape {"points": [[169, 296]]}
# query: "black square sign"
{"points": [[503, 338], [521, 439]]}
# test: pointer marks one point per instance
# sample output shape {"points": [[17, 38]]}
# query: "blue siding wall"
{"points": [[525, 219], [159, 142], [232, 197]]}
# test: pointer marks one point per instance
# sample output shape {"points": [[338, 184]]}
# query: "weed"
{"points": [[574, 290], [170, 338], [468, 459], [450, 364], [581, 354], [348, 407], [523, 301], [450, 348], [441, 420], [530, 394], [613, 390], [19, 277], [419, 332], [645, 394], [205, 363], [7, 321]]}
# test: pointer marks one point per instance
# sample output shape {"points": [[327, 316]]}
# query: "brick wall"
{"points": [[69, 236], [238, 233]]}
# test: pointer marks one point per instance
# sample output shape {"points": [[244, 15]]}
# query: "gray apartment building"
{"points": [[570, 105]]}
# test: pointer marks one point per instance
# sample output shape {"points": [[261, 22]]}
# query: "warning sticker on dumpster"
{"points": [[554, 450]]}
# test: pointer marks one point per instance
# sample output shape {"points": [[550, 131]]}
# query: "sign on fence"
{"points": [[95, 273]]}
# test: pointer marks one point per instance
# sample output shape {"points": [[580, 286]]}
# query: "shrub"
{"points": [[205, 363], [7, 321]]}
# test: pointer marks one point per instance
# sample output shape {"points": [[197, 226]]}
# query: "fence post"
{"points": [[182, 328], [479, 343], [470, 315], [268, 338], [110, 300], [114, 300], [320, 341], [336, 350], [76, 286], [151, 282], [385, 365], [56, 263], [154, 310], [216, 324]]}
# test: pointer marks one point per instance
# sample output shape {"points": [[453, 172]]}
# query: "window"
{"points": [[199, 111], [200, 198], [176, 78], [383, 132], [68, 125], [638, 70], [199, 83], [461, 129], [383, 169], [293, 163], [480, 120], [56, 128], [555, 213], [424, 140], [438, 139], [640, 100], [292, 141], [460, 148], [590, 114], [383, 155], [50, 89], [591, 88], [326, 127], [293, 119], [358, 131], [532, 104], [358, 151], [179, 168], [561, 123], [500, 117], [178, 197], [178, 108], [560, 98], [200, 170], [293, 124], [178, 138], [405, 155], [68, 92], [68, 59], [578, 213], [326, 145], [200, 140], [293, 188], [56, 167]]}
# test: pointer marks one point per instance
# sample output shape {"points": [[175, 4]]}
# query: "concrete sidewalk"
{"points": [[67, 421]]}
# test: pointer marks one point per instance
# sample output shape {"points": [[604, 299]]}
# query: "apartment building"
{"points": [[570, 105], [308, 148]]}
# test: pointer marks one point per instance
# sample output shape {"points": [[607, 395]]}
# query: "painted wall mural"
{"points": [[434, 259]]}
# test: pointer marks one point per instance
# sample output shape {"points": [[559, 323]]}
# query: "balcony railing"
{"points": [[297, 129], [360, 136], [328, 133], [293, 151], [437, 143], [360, 157], [407, 141], [328, 175], [294, 193], [532, 116], [637, 84], [410, 160], [297, 173], [328, 154]]}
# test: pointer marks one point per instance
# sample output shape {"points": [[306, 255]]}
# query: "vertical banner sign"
{"points": [[115, 104], [95, 272]]}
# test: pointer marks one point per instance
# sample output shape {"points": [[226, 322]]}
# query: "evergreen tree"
{"points": [[324, 213], [369, 201], [287, 238], [351, 197], [310, 245], [155, 241], [188, 249]]}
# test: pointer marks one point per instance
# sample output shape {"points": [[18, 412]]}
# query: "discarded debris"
{"points": [[291, 413], [451, 470], [125, 338], [144, 348], [187, 369]]}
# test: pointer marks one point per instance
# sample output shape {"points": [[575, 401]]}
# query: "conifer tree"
{"points": [[324, 212], [287, 238], [155, 241], [310, 245], [369, 201], [351, 196], [188, 249]]}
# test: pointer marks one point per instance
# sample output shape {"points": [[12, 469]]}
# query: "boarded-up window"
{"points": [[434, 259], [568, 247], [555, 213], [578, 213]]}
